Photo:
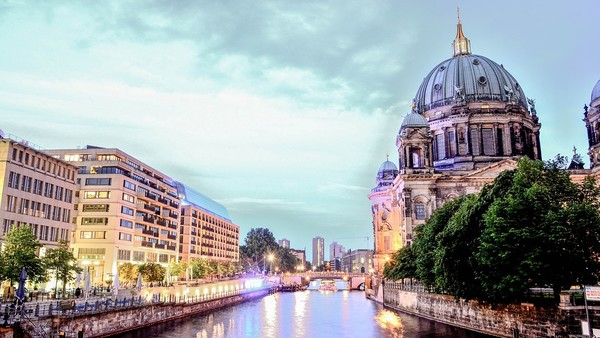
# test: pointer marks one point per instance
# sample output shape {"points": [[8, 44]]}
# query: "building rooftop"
{"points": [[190, 196]]}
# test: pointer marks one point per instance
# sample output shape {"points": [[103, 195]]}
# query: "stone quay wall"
{"points": [[128, 319], [498, 320]]}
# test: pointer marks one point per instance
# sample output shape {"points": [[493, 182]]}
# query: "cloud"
{"points": [[330, 186]]}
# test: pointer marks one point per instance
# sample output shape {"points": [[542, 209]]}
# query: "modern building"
{"points": [[318, 251], [36, 190], [301, 255], [336, 251], [358, 261], [284, 243], [470, 120], [206, 230], [127, 211]]}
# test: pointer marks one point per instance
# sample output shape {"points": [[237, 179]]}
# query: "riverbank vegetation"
{"points": [[532, 227]]}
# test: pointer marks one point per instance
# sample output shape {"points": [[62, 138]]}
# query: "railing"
{"points": [[171, 247], [147, 244]]}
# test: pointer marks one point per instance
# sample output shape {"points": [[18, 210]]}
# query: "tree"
{"points": [[426, 241], [403, 264], [259, 243], [286, 260], [542, 232], [63, 263], [21, 251], [128, 272], [152, 272]]}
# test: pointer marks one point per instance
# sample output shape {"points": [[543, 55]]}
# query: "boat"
{"points": [[327, 285]]}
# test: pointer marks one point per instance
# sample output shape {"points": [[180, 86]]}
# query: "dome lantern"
{"points": [[461, 45]]}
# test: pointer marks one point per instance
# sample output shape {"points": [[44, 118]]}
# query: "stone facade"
{"points": [[496, 320]]}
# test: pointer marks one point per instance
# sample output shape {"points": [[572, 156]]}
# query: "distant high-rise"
{"points": [[284, 243], [318, 251], [336, 251]]}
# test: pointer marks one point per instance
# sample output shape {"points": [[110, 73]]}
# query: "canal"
{"points": [[303, 314]]}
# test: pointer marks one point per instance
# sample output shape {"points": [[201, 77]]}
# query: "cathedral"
{"points": [[470, 120]]}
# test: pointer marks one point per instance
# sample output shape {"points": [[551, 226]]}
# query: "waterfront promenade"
{"points": [[95, 316]]}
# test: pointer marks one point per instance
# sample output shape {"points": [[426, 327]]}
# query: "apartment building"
{"points": [[127, 211], [36, 190], [206, 230], [358, 261]]}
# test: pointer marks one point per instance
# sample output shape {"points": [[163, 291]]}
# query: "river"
{"points": [[304, 314]]}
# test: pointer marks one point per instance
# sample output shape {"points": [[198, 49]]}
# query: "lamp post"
{"points": [[270, 257]]}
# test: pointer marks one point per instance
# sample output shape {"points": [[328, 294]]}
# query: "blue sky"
{"points": [[282, 111]]}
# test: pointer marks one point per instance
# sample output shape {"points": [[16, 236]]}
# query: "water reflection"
{"points": [[304, 314]]}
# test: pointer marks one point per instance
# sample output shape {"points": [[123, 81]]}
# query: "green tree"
{"points": [[542, 232], [259, 243], [426, 241], [402, 265], [21, 251], [128, 272], [286, 260], [152, 272], [63, 263]]}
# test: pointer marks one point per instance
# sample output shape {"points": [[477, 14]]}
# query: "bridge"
{"points": [[356, 280]]}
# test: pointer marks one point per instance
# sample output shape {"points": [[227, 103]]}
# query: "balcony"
{"points": [[171, 247], [171, 237], [192, 251], [149, 232], [172, 226], [150, 208], [159, 246], [147, 244], [174, 205], [161, 221], [163, 200]]}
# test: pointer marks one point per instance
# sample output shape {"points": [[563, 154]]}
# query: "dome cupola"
{"points": [[385, 175], [596, 92]]}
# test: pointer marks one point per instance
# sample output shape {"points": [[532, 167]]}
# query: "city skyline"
{"points": [[219, 96]]}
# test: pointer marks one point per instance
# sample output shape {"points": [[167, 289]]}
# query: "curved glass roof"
{"points": [[190, 196]]}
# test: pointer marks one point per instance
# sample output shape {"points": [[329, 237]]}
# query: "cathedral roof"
{"points": [[596, 91], [466, 77]]}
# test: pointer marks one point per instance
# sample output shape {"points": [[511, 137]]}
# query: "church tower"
{"points": [[414, 143]]}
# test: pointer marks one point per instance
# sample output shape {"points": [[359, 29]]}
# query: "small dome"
{"points": [[387, 166], [596, 91], [414, 120]]}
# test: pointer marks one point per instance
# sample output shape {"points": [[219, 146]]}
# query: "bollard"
{"points": [[37, 309]]}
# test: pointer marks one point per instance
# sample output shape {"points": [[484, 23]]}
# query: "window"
{"points": [[95, 207], [127, 211], [129, 185], [92, 235], [56, 212], [124, 255], [26, 184], [97, 181], [128, 198], [46, 212], [36, 208], [138, 256], [11, 203], [13, 180], [91, 253], [48, 188], [163, 258], [124, 237], [419, 211], [487, 136], [37, 187], [94, 221], [58, 193], [107, 157], [68, 195], [441, 147], [24, 209], [66, 217], [126, 224], [96, 194]]}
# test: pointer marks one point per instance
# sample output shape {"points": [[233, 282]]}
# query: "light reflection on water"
{"points": [[303, 314]]}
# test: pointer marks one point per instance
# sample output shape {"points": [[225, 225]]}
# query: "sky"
{"points": [[282, 111]]}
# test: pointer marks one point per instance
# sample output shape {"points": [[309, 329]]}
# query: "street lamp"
{"points": [[270, 257]]}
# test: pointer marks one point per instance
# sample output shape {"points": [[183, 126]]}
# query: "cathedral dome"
{"points": [[468, 77], [414, 120], [465, 78], [385, 176], [596, 91]]}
